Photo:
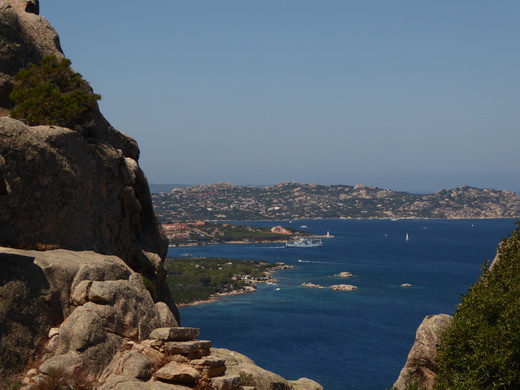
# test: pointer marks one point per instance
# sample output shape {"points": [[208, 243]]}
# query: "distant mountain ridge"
{"points": [[292, 200]]}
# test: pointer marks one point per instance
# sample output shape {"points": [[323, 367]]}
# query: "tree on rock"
{"points": [[51, 93]]}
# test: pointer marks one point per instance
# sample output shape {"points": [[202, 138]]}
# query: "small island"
{"points": [[337, 287], [344, 274]]}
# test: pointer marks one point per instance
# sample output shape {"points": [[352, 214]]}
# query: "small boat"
{"points": [[407, 238], [304, 243], [303, 227]]}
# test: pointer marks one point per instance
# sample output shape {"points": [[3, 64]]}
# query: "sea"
{"points": [[347, 339]]}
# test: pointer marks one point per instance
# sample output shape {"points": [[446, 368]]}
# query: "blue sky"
{"points": [[408, 95]]}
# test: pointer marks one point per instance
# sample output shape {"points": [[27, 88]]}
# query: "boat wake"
{"points": [[316, 262]]}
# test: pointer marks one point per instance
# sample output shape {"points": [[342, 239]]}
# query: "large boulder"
{"points": [[421, 366], [259, 378], [71, 309]]}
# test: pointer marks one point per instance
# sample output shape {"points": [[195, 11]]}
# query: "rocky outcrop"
{"points": [[421, 366], [257, 377], [87, 303], [67, 192], [79, 189], [337, 287]]}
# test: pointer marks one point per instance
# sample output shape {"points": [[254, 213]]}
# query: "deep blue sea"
{"points": [[347, 339]]}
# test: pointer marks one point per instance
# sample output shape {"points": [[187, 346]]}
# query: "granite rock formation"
{"points": [[94, 303], [421, 365], [259, 378], [79, 189], [65, 191]]}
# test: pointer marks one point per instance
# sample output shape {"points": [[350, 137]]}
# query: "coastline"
{"points": [[245, 290], [245, 242], [217, 296]]}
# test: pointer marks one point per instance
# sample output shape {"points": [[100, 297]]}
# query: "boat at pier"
{"points": [[304, 243]]}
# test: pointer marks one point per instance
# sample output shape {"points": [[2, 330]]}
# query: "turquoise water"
{"points": [[347, 340]]}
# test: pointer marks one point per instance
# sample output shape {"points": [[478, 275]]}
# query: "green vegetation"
{"points": [[197, 279], [149, 286], [211, 232], [246, 379], [51, 93], [481, 350]]}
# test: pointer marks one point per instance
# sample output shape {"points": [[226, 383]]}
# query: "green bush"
{"points": [[51, 93], [481, 349]]}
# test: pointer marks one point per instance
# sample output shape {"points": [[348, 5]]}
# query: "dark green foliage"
{"points": [[149, 286], [51, 93], [197, 279], [481, 350]]}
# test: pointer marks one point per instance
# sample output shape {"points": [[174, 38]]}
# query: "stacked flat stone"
{"points": [[192, 359]]}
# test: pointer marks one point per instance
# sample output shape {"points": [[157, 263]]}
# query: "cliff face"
{"points": [[78, 189], [421, 365], [62, 190]]}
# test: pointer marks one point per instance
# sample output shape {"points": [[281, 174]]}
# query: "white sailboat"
{"points": [[407, 237]]}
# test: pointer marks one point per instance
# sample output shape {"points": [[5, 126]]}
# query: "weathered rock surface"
{"points": [[78, 189], [78, 303], [261, 379], [68, 192], [343, 287], [344, 274], [421, 366], [175, 334]]}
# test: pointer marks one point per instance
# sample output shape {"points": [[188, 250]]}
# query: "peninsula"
{"points": [[203, 233], [195, 280]]}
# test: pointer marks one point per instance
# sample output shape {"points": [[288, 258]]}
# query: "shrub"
{"points": [[247, 379], [51, 93], [481, 349]]}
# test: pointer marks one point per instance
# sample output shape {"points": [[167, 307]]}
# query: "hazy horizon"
{"points": [[431, 191], [407, 95]]}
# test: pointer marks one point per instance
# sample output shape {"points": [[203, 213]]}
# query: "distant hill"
{"points": [[158, 188], [292, 200]]}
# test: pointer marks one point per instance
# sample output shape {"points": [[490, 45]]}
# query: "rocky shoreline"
{"points": [[337, 287], [250, 287]]}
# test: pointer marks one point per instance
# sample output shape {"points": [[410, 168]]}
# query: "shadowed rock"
{"points": [[421, 366]]}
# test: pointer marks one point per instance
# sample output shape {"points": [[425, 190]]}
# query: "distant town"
{"points": [[292, 201], [205, 232]]}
